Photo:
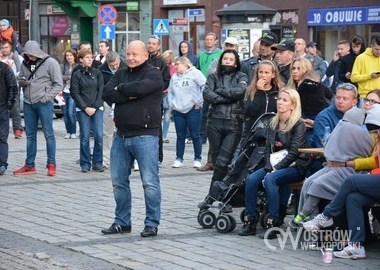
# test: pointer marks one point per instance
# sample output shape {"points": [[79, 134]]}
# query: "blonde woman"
{"points": [[298, 68], [261, 94], [287, 132]]}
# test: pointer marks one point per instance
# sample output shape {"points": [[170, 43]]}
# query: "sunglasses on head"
{"points": [[155, 37], [310, 82], [346, 86]]}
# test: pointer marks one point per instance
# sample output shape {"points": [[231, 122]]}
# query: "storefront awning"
{"points": [[246, 7], [73, 7]]}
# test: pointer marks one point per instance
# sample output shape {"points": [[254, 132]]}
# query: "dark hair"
{"points": [[74, 53], [237, 61], [374, 91], [357, 40], [84, 43], [375, 40], [105, 42]]}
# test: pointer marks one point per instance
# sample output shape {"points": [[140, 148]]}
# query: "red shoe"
{"points": [[25, 170], [18, 133], [51, 169]]}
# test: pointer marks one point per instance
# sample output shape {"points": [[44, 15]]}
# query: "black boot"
{"points": [[249, 227], [273, 226], [282, 213]]}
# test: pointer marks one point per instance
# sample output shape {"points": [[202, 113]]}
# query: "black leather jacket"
{"points": [[291, 141], [225, 95]]}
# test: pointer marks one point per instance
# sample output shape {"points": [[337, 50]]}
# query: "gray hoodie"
{"points": [[186, 90], [46, 82]]}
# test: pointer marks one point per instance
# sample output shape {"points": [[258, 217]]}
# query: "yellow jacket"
{"points": [[371, 162], [365, 64]]}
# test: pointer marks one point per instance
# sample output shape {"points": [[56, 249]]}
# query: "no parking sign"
{"points": [[107, 14]]}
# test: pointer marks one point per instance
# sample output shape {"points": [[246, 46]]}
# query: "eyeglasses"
{"points": [[310, 82], [370, 101], [346, 86], [155, 37]]}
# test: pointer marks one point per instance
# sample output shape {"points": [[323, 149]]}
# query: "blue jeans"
{"points": [[357, 191], [124, 151], [166, 123], [276, 187], [32, 114], [69, 114], [4, 133], [86, 124], [191, 120]]}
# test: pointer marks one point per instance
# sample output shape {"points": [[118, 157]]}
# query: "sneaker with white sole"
{"points": [[351, 252], [73, 136], [177, 164], [197, 164], [67, 136], [317, 223]]}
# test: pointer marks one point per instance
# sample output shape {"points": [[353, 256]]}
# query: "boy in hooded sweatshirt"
{"points": [[366, 70], [41, 78]]}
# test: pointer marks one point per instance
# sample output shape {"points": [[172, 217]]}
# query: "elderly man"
{"points": [[136, 91]]}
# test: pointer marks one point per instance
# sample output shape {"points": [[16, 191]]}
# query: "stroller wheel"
{"points": [[233, 223], [223, 224], [263, 220], [242, 216], [206, 219]]}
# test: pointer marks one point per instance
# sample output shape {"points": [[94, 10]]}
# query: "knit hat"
{"points": [[354, 116], [5, 22], [372, 120]]}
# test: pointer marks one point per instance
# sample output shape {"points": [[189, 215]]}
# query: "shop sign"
{"points": [[344, 16], [179, 2]]}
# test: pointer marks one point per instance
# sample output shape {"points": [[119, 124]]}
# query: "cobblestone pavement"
{"points": [[68, 211]]}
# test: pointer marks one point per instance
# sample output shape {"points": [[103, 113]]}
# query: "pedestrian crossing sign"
{"points": [[161, 27]]}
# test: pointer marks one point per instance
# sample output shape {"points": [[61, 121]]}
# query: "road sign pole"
{"points": [[188, 25]]}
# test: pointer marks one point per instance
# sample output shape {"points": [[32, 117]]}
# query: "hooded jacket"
{"points": [[190, 54], [205, 59], [185, 90], [348, 61], [365, 64], [46, 82]]}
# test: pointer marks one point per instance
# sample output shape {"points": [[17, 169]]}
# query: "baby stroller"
{"points": [[229, 192]]}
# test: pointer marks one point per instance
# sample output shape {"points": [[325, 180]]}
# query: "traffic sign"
{"points": [[180, 21], [107, 31], [161, 27], [107, 14], [196, 12]]}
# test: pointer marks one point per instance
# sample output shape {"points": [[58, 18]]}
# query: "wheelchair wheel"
{"points": [[223, 224], [233, 223], [206, 219]]}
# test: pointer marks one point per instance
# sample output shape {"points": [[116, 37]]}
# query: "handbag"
{"points": [[276, 157]]}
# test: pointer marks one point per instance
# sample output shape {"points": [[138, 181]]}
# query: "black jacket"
{"points": [[225, 95], [158, 62], [314, 98], [263, 102], [137, 100], [291, 141], [8, 86], [87, 88]]}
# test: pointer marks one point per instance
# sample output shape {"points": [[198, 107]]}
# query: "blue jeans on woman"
{"points": [[69, 114], [357, 191], [32, 114], [86, 124], [276, 186], [124, 151], [191, 120]]}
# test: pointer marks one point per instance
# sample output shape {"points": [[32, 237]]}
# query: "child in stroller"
{"points": [[230, 191]]}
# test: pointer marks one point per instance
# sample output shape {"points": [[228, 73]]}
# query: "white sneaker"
{"points": [[197, 164], [67, 136], [317, 223], [177, 164], [351, 252], [73, 136], [136, 166]]}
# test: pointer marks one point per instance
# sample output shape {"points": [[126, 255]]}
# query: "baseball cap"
{"points": [[269, 38], [231, 40], [311, 44], [284, 45]]}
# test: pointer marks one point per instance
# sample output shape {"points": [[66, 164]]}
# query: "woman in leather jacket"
{"points": [[261, 94], [224, 91], [287, 132]]}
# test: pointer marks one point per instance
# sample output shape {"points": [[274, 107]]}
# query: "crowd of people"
{"points": [[215, 97]]}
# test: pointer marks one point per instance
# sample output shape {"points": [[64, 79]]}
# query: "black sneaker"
{"points": [[85, 169], [115, 228], [149, 231], [99, 169]]}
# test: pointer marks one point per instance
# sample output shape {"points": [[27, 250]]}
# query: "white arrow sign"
{"points": [[108, 31]]}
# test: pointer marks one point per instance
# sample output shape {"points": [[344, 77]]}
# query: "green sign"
{"points": [[133, 5]]}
